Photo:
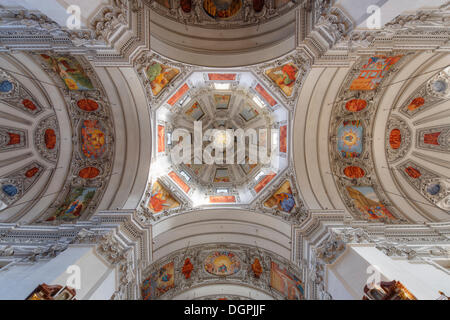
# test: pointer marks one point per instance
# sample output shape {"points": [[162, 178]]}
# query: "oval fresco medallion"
{"points": [[395, 138], [27, 103], [87, 105], [31, 173], [222, 263], [89, 173], [354, 172], [355, 105], [50, 138], [413, 172], [93, 139], [416, 103], [186, 5], [258, 5], [222, 9]]}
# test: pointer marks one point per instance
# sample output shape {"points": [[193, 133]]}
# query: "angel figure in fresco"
{"points": [[157, 202], [289, 72], [285, 201]]}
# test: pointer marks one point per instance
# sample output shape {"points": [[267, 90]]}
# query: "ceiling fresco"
{"points": [[262, 270], [431, 185], [227, 14], [355, 172], [221, 102], [350, 137], [93, 137], [224, 149], [91, 143], [13, 94]]}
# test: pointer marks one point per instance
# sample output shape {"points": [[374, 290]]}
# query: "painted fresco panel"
{"points": [[222, 175], [222, 263], [195, 111], [177, 96], [367, 202], [286, 283], [159, 282], [70, 71], [284, 77], [372, 73], [282, 199], [264, 181], [75, 204], [222, 100], [350, 139], [161, 199], [222, 199], [179, 181], [93, 139], [161, 139], [248, 113], [283, 139], [160, 76], [271, 101], [222, 76]]}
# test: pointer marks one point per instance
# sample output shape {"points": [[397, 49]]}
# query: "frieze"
{"points": [[92, 139], [245, 16], [198, 256], [350, 143]]}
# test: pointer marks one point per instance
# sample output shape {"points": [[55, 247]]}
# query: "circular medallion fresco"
{"points": [[439, 86], [6, 86], [222, 263], [434, 188], [222, 9]]}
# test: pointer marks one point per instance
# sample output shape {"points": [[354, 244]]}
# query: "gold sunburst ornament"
{"points": [[350, 138]]}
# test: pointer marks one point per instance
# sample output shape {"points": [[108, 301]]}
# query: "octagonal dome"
{"points": [[230, 116]]}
